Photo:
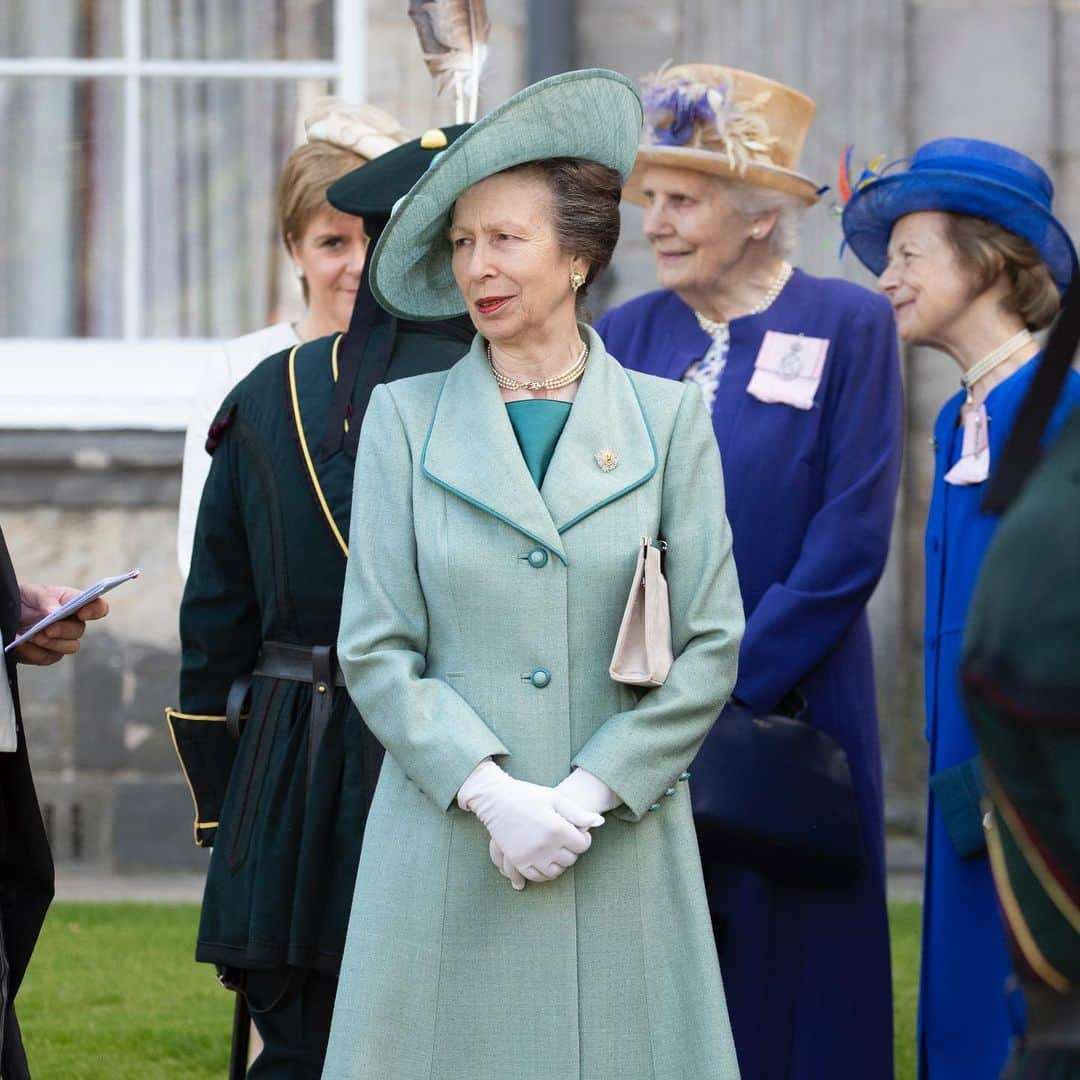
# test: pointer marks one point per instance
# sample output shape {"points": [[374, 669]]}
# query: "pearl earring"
{"points": [[298, 270]]}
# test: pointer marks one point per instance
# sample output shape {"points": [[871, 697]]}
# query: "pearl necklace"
{"points": [[713, 327], [556, 382], [992, 360]]}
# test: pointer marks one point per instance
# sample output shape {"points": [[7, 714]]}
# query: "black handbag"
{"points": [[774, 794]]}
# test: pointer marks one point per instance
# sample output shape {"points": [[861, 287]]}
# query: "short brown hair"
{"points": [[987, 250], [586, 196], [309, 171]]}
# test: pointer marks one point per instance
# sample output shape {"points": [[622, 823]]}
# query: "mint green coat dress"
{"points": [[479, 618]]}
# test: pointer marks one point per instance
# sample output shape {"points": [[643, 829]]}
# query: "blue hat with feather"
{"points": [[961, 176]]}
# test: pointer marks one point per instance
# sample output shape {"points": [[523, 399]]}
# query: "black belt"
{"points": [[1053, 1020], [316, 665]]}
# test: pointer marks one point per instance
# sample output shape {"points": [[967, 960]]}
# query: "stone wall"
{"points": [[76, 507]]}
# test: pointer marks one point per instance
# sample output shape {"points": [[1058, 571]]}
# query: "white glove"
{"points": [[506, 867], [589, 791], [539, 830]]}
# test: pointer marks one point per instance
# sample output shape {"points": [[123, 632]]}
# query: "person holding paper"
{"points": [[26, 870], [802, 380], [973, 260]]}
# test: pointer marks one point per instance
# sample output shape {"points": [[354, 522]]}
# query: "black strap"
{"points": [[364, 348], [235, 704], [459, 327], [323, 670], [241, 1038], [380, 349], [1022, 448], [280, 660], [340, 398]]}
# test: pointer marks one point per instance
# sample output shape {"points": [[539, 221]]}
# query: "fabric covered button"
{"points": [[538, 557], [540, 677]]}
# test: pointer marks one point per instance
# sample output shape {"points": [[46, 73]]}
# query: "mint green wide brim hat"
{"points": [[592, 114]]}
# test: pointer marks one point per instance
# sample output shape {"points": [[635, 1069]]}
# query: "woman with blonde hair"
{"points": [[327, 249]]}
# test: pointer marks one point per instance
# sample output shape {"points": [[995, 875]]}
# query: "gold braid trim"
{"points": [[307, 453], [1032, 856], [169, 714], [1025, 940]]}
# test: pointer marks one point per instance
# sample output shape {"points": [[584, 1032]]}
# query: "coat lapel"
{"points": [[606, 420], [471, 449], [472, 452]]}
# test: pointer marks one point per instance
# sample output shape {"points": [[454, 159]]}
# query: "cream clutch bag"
{"points": [[642, 654]]}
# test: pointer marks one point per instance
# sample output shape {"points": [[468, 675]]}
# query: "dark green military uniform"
{"points": [[268, 566], [1022, 677], [285, 802]]}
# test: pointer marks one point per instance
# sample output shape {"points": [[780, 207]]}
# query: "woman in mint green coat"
{"points": [[530, 902]]}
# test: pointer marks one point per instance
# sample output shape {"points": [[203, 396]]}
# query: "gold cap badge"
{"points": [[433, 139]]}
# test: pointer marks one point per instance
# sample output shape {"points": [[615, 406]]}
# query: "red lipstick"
{"points": [[490, 304]]}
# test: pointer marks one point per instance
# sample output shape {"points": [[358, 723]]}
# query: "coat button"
{"points": [[540, 677], [684, 777], [538, 557], [655, 806], [670, 791]]}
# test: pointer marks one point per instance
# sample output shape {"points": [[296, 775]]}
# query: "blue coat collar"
{"points": [[680, 340], [471, 450]]}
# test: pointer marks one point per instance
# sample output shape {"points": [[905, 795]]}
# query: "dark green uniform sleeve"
{"points": [[219, 616], [220, 636]]}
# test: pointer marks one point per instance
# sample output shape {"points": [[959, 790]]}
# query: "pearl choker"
{"points": [[991, 360], [712, 327], [556, 382]]}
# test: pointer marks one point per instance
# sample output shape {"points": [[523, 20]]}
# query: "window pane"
{"points": [[238, 30], [61, 28], [213, 262], [61, 211]]}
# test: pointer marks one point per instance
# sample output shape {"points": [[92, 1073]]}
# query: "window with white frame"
{"points": [[140, 146]]}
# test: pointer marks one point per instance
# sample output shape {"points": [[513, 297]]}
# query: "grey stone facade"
{"points": [[887, 75]]}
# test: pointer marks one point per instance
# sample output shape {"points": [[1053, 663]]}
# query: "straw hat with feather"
{"points": [[726, 122]]}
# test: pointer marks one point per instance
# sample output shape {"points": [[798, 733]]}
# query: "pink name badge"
{"points": [[974, 464], [788, 369]]}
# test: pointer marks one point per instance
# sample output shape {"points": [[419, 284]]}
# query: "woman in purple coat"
{"points": [[802, 377]]}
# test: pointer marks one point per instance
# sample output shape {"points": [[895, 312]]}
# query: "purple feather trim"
{"points": [[672, 112]]}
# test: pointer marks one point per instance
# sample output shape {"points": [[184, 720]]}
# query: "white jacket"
{"points": [[220, 374]]}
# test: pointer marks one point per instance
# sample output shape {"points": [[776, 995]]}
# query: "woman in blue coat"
{"points": [[972, 260], [802, 378]]}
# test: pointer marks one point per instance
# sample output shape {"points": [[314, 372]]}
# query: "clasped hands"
{"points": [[536, 832]]}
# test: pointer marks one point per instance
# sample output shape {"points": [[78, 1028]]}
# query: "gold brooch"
{"points": [[607, 459]]}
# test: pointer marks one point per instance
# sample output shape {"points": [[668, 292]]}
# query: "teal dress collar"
{"points": [[537, 424]]}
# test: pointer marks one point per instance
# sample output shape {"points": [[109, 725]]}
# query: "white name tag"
{"points": [[788, 369]]}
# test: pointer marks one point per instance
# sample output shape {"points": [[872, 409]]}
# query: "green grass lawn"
{"points": [[113, 994]]}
